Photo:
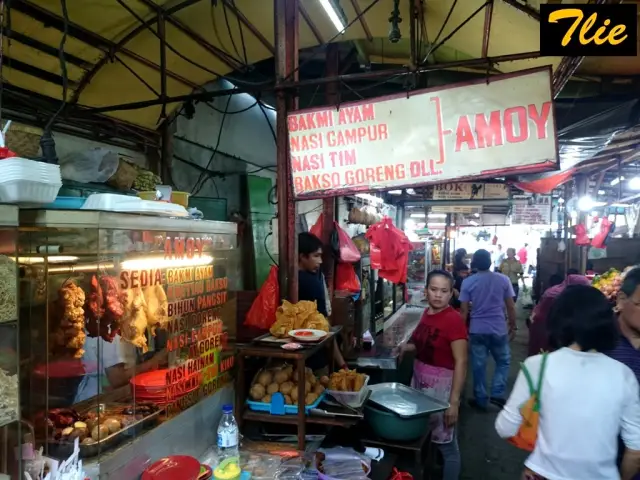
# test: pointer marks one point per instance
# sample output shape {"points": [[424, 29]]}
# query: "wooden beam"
{"points": [[363, 22]]}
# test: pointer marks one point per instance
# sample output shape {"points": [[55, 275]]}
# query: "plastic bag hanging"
{"points": [[348, 252], [262, 313]]}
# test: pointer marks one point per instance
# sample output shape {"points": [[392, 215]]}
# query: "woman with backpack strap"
{"points": [[576, 400]]}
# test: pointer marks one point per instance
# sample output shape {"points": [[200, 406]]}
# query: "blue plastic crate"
{"points": [[278, 407]]}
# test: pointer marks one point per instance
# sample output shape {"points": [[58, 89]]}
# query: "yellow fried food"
{"points": [[294, 316], [317, 321], [346, 381], [310, 398], [272, 388], [257, 392]]}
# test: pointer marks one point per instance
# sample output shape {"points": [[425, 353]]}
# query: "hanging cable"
{"points": [[226, 22], [222, 45], [196, 188], [244, 46], [444, 24], [63, 66]]}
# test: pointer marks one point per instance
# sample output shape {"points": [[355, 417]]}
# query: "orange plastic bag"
{"points": [[346, 278], [527, 434], [262, 313], [316, 229]]}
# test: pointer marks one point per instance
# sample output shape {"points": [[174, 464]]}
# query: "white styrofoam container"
{"points": [[30, 192], [127, 204], [352, 399], [40, 177], [28, 165]]}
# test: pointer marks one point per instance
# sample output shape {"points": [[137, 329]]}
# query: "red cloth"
{"points": [[538, 336], [433, 337], [523, 255]]}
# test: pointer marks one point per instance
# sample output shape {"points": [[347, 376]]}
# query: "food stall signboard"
{"points": [[473, 130], [471, 191], [536, 212]]}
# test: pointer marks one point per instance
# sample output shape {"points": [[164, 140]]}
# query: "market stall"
{"points": [[124, 332]]}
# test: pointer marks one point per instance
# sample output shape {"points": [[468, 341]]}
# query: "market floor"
{"points": [[485, 456]]}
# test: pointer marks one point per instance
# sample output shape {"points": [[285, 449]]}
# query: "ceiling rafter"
{"points": [[203, 42], [48, 49], [363, 22], [312, 26], [250, 26], [524, 9], [94, 40]]}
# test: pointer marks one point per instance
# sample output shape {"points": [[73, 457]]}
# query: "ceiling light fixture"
{"points": [[335, 14], [634, 183], [616, 181]]}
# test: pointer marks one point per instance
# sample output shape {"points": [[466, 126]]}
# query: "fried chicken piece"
{"points": [[157, 307], [68, 337], [134, 321]]}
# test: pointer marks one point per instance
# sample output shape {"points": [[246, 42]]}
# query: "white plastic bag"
{"points": [[96, 165]]}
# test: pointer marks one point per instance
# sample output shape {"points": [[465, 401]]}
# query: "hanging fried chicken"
{"points": [[157, 307], [68, 338], [134, 321], [104, 308], [114, 300], [94, 308]]}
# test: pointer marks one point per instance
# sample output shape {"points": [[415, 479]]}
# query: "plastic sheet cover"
{"points": [[585, 128]]}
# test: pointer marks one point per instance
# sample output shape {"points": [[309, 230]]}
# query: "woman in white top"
{"points": [[587, 399]]}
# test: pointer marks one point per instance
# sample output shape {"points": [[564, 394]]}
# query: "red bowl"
{"points": [[174, 467]]}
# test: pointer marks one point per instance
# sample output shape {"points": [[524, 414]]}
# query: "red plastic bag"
{"points": [[346, 278], [600, 240], [582, 238], [375, 256], [262, 313], [6, 153], [349, 253]]}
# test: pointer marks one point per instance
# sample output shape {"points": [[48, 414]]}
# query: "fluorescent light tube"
{"points": [[333, 15]]}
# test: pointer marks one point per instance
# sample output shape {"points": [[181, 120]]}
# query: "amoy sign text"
{"points": [[476, 129], [585, 30]]}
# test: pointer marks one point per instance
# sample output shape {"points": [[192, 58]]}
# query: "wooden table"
{"points": [[298, 358]]}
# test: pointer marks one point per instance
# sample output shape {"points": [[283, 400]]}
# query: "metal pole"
{"points": [[332, 93], [286, 39], [162, 32], [565, 233]]}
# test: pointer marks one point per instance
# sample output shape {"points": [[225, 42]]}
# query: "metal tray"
{"points": [[406, 402], [65, 449]]}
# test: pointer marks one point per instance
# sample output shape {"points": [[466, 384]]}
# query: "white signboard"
{"points": [[470, 191], [466, 209], [471, 130], [537, 212]]}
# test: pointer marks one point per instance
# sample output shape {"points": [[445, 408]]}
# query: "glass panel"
{"points": [[122, 329], [10, 427]]}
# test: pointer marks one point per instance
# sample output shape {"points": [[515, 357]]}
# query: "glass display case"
{"points": [[10, 426], [125, 322]]}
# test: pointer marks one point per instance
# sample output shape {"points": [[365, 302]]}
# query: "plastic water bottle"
{"points": [[228, 438]]}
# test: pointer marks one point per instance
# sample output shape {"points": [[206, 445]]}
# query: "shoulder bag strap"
{"points": [[527, 375], [540, 379]]}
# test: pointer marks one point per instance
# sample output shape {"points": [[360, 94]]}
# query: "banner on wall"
{"points": [[461, 131], [471, 191], [536, 212]]}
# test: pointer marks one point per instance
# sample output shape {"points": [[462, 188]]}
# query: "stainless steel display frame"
{"points": [[119, 221]]}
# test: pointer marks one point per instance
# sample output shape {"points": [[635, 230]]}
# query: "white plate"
{"points": [[315, 336], [291, 346]]}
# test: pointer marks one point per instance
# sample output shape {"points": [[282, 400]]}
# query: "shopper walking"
{"points": [[498, 258], [440, 344], [586, 398], [538, 332], [512, 268], [484, 298]]}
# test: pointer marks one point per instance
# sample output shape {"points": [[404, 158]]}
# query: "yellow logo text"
{"points": [[613, 35]]}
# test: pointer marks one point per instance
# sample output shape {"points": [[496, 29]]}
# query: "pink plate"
{"points": [[291, 346], [172, 468]]}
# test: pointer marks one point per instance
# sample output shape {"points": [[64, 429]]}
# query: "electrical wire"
{"points": [[222, 45], [197, 189], [226, 22], [63, 66], [242, 42], [266, 248], [187, 59], [444, 24], [242, 110]]}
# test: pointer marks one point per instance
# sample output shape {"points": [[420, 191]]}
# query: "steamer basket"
{"points": [[23, 140]]}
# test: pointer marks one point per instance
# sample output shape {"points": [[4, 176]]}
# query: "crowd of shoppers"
{"points": [[584, 352]]}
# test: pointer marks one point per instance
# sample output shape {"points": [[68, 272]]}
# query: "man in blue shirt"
{"points": [[484, 298], [311, 287]]}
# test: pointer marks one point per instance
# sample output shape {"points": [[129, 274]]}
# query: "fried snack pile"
{"points": [[285, 381], [346, 381], [134, 321], [68, 337], [293, 316]]}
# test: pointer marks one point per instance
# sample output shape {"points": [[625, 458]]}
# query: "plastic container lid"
{"points": [[227, 408], [174, 467]]}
